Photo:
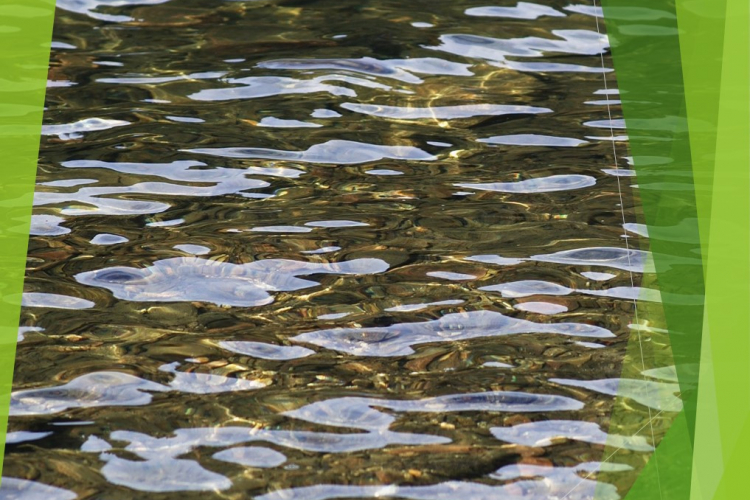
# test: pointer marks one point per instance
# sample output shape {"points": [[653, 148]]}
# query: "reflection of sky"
{"points": [[183, 279], [532, 482], [498, 50], [162, 470], [538, 185], [523, 10], [398, 69], [399, 339], [77, 129], [98, 200], [331, 152], [630, 260], [90, 7], [20, 489], [543, 433]]}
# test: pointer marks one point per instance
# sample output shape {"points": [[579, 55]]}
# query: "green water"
{"points": [[314, 249]]}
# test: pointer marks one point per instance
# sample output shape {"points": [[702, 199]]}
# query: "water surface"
{"points": [[296, 249]]}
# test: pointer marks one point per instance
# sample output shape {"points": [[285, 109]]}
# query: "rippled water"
{"points": [[297, 249]]}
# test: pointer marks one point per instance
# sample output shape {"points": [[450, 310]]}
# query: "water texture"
{"points": [[298, 249]]}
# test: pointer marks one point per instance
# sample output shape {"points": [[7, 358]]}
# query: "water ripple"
{"points": [[331, 152], [497, 50], [656, 395], [549, 184], [88, 7], [619, 258], [546, 432], [251, 456], [183, 279], [538, 483], [75, 130], [358, 413], [523, 10], [47, 225], [397, 69], [187, 170], [398, 339], [95, 389], [532, 140], [161, 475], [108, 239], [21, 489], [254, 87], [442, 112], [261, 350], [24, 436], [54, 301]]}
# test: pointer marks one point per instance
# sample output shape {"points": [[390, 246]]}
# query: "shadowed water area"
{"points": [[298, 249]]}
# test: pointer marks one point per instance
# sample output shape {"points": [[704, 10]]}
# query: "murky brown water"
{"points": [[315, 249]]}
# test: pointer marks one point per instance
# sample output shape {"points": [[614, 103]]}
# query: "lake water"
{"points": [[297, 249]]}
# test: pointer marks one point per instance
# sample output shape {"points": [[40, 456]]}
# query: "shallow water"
{"points": [[311, 249]]}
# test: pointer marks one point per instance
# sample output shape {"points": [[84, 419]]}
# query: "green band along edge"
{"points": [[25, 37], [683, 72]]}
